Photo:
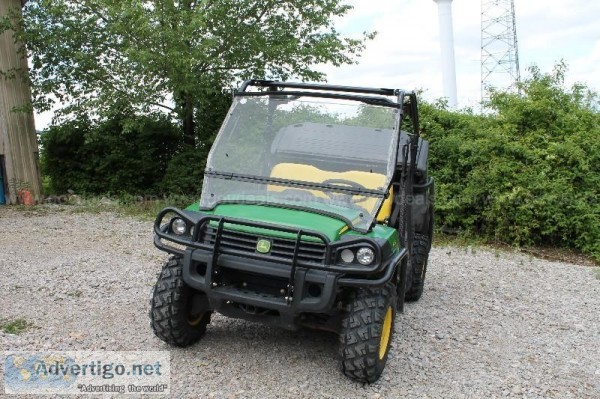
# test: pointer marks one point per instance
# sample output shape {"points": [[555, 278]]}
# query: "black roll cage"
{"points": [[405, 101]]}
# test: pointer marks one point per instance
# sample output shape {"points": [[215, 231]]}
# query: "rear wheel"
{"points": [[419, 259], [178, 314], [367, 331]]}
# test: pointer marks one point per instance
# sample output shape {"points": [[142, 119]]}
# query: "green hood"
{"points": [[299, 219]]}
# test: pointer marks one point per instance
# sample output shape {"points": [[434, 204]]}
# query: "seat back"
{"points": [[309, 173]]}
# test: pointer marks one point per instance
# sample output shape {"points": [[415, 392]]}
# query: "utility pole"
{"points": [[19, 156], [499, 47]]}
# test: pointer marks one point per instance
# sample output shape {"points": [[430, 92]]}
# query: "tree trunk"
{"points": [[18, 140], [187, 114]]}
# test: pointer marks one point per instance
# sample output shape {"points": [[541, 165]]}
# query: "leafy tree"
{"points": [[92, 54]]}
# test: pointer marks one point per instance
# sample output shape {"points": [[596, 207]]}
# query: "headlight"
{"points": [[179, 226], [365, 256], [347, 256]]}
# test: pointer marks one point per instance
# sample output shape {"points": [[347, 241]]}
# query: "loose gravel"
{"points": [[490, 324]]}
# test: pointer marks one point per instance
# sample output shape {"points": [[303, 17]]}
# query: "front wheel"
{"points": [[367, 330], [178, 314]]}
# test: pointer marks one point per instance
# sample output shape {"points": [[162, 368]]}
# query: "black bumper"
{"points": [[305, 287]]}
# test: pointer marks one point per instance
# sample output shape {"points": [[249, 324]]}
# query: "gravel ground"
{"points": [[490, 324]]}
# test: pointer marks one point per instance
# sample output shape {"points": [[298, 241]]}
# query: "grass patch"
{"points": [[16, 326], [138, 207], [459, 240], [148, 209], [566, 255]]}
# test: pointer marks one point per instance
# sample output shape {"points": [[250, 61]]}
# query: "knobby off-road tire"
{"points": [[419, 259], [367, 330], [171, 315]]}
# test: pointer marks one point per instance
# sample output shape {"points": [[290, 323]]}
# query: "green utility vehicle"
{"points": [[316, 211]]}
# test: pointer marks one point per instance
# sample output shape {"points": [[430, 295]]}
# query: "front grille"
{"points": [[280, 247]]}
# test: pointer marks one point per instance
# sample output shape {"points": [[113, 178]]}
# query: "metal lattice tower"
{"points": [[499, 46]]}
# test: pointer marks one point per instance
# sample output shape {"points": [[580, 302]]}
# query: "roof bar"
{"points": [[316, 86]]}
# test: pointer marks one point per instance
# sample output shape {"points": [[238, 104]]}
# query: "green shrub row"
{"points": [[125, 155], [528, 173], [525, 173]]}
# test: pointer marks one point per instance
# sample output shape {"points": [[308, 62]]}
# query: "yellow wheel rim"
{"points": [[386, 332], [194, 321]]}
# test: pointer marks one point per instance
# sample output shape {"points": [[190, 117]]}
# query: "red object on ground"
{"points": [[26, 198]]}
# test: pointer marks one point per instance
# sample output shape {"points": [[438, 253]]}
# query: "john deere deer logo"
{"points": [[263, 246]]}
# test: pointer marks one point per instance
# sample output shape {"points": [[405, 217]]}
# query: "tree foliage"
{"points": [[125, 154], [89, 55]]}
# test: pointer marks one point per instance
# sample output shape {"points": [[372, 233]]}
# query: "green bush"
{"points": [[123, 155], [130, 155], [185, 172], [528, 173]]}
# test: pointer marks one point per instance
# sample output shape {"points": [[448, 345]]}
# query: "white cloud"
{"points": [[43, 119], [406, 52], [405, 48]]}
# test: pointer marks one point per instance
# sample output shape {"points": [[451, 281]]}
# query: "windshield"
{"points": [[329, 156]]}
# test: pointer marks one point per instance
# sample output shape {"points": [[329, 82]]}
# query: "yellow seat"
{"points": [[309, 173]]}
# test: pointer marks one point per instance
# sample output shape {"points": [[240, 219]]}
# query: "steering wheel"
{"points": [[348, 183]]}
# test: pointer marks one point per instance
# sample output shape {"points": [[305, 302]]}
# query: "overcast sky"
{"points": [[406, 52]]}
